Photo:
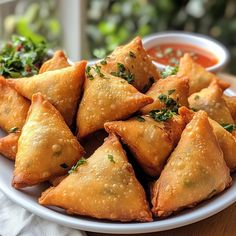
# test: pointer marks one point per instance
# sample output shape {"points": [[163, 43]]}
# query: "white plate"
{"points": [[27, 198]]}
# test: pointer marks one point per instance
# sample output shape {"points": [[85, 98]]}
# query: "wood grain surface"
{"points": [[221, 224]]}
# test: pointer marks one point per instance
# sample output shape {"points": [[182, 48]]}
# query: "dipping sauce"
{"points": [[169, 54]]}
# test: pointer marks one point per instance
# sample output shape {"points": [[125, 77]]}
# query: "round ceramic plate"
{"points": [[28, 197]]}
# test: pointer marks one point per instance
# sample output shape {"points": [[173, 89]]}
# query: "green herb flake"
{"points": [[123, 73], [161, 115], [103, 62], [169, 70], [64, 165], [171, 91], [88, 73], [111, 158], [131, 54], [13, 130], [229, 127], [159, 55], [196, 97], [140, 118], [168, 51], [79, 163]]}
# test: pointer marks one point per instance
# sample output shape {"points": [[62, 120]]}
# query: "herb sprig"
{"points": [[79, 163], [123, 73], [229, 127], [22, 57]]}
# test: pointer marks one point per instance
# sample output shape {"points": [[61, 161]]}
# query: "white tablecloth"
{"points": [[16, 221]]}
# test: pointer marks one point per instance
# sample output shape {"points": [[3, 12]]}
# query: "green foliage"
{"points": [[111, 23]]}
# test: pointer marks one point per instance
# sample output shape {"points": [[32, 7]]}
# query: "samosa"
{"points": [[199, 77], [58, 61], [231, 104], [103, 186], [226, 139], [173, 86], [60, 87], [46, 147], [132, 63], [195, 171], [151, 142], [13, 107], [210, 100], [106, 98]]}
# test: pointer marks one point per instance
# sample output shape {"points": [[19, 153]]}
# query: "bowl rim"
{"points": [[222, 61]]}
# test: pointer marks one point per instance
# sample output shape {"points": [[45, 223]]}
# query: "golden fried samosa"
{"points": [[58, 61], [46, 147], [104, 186], [195, 171], [226, 140], [173, 86], [132, 63], [210, 100], [151, 142], [106, 98], [13, 107], [8, 145], [61, 87], [231, 104], [199, 77]]}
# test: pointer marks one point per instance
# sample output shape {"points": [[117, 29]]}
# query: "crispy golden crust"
{"points": [[105, 99], [195, 171], [46, 147], [150, 142], [231, 104], [8, 145], [58, 61], [134, 57], [13, 107], [210, 100], [199, 78], [162, 86], [116, 193], [61, 87], [226, 140]]}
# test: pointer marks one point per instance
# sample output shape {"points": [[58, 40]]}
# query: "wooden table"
{"points": [[221, 224]]}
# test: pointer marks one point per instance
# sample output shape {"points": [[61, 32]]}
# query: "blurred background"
{"points": [[93, 28]]}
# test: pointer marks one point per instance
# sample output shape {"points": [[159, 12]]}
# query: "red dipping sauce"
{"points": [[169, 54]]}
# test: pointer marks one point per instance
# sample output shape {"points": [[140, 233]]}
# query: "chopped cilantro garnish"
{"points": [[196, 97], [161, 115], [103, 62], [98, 70], [171, 91], [140, 118], [64, 165], [169, 70], [79, 163], [229, 127], [111, 158], [13, 130], [169, 51], [22, 57], [88, 73], [131, 54], [169, 102], [123, 73]]}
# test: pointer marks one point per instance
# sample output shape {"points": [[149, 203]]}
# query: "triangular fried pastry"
{"points": [[8, 145], [106, 98], [231, 104], [13, 107], [61, 87], [173, 86], [46, 147], [226, 140], [58, 61], [132, 63], [195, 171], [104, 186], [151, 142], [210, 100], [199, 77]]}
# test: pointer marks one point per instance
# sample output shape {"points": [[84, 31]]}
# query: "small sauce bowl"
{"points": [[204, 43]]}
